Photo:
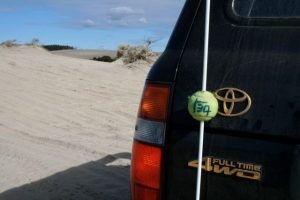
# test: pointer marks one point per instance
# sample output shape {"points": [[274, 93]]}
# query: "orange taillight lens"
{"points": [[154, 103]]}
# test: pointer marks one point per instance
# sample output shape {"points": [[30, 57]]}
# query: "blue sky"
{"points": [[97, 24]]}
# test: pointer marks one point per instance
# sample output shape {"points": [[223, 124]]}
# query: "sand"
{"points": [[85, 53], [66, 125]]}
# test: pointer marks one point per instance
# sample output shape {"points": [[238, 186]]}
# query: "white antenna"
{"points": [[204, 81]]}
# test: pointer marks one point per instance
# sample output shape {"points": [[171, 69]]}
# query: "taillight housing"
{"points": [[149, 137]]}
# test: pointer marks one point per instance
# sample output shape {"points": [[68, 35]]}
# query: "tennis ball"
{"points": [[203, 106]]}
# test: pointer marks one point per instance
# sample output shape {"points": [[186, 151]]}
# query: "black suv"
{"points": [[252, 147]]}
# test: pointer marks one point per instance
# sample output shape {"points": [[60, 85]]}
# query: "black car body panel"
{"points": [[261, 57], [165, 69], [280, 167]]}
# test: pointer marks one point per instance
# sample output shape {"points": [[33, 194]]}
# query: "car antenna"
{"points": [[204, 82], [203, 105]]}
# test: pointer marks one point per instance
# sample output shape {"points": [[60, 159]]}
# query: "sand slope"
{"points": [[85, 53], [66, 125]]}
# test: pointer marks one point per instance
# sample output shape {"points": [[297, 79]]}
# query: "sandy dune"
{"points": [[66, 125], [85, 54]]}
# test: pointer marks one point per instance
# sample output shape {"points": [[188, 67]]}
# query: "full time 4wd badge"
{"points": [[230, 168]]}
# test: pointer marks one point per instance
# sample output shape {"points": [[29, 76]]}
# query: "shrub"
{"points": [[34, 42], [131, 54], [104, 59], [9, 43], [121, 50], [54, 47]]}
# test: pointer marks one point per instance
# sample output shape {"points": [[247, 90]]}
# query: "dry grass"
{"points": [[131, 54], [9, 43]]}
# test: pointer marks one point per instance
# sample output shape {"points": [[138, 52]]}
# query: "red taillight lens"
{"points": [[145, 171], [146, 163], [154, 102], [143, 193]]}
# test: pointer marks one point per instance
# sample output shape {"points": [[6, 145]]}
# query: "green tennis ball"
{"points": [[203, 106]]}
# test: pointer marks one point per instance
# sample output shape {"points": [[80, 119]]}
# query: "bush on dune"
{"points": [[13, 43], [121, 50], [104, 59], [10, 43], [35, 42], [131, 54]]}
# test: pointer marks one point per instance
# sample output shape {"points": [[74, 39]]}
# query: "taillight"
{"points": [[154, 102], [145, 171], [146, 163]]}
